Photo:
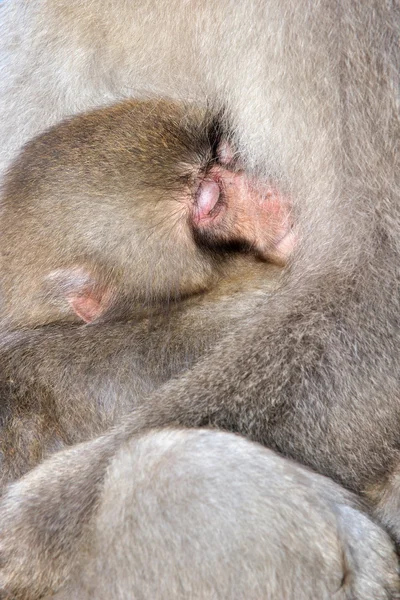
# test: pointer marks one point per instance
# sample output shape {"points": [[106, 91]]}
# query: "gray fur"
{"points": [[312, 89], [189, 514]]}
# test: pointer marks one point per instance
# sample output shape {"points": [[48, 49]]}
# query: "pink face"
{"points": [[230, 206]]}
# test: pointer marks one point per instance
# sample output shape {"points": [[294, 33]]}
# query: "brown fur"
{"points": [[311, 90], [107, 205]]}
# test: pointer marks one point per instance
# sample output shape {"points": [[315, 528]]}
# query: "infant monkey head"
{"points": [[137, 204]]}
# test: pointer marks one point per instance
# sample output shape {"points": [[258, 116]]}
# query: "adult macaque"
{"points": [[312, 92], [139, 164]]}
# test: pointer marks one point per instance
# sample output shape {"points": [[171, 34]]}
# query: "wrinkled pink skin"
{"points": [[233, 206]]}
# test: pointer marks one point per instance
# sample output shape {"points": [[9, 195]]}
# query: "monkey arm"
{"points": [[299, 382]]}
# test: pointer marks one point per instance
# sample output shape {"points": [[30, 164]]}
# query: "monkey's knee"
{"points": [[203, 514]]}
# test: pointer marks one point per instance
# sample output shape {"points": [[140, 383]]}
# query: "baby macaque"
{"points": [[129, 206], [109, 218]]}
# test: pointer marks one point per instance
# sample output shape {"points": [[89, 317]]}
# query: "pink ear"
{"points": [[79, 288], [87, 307]]}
